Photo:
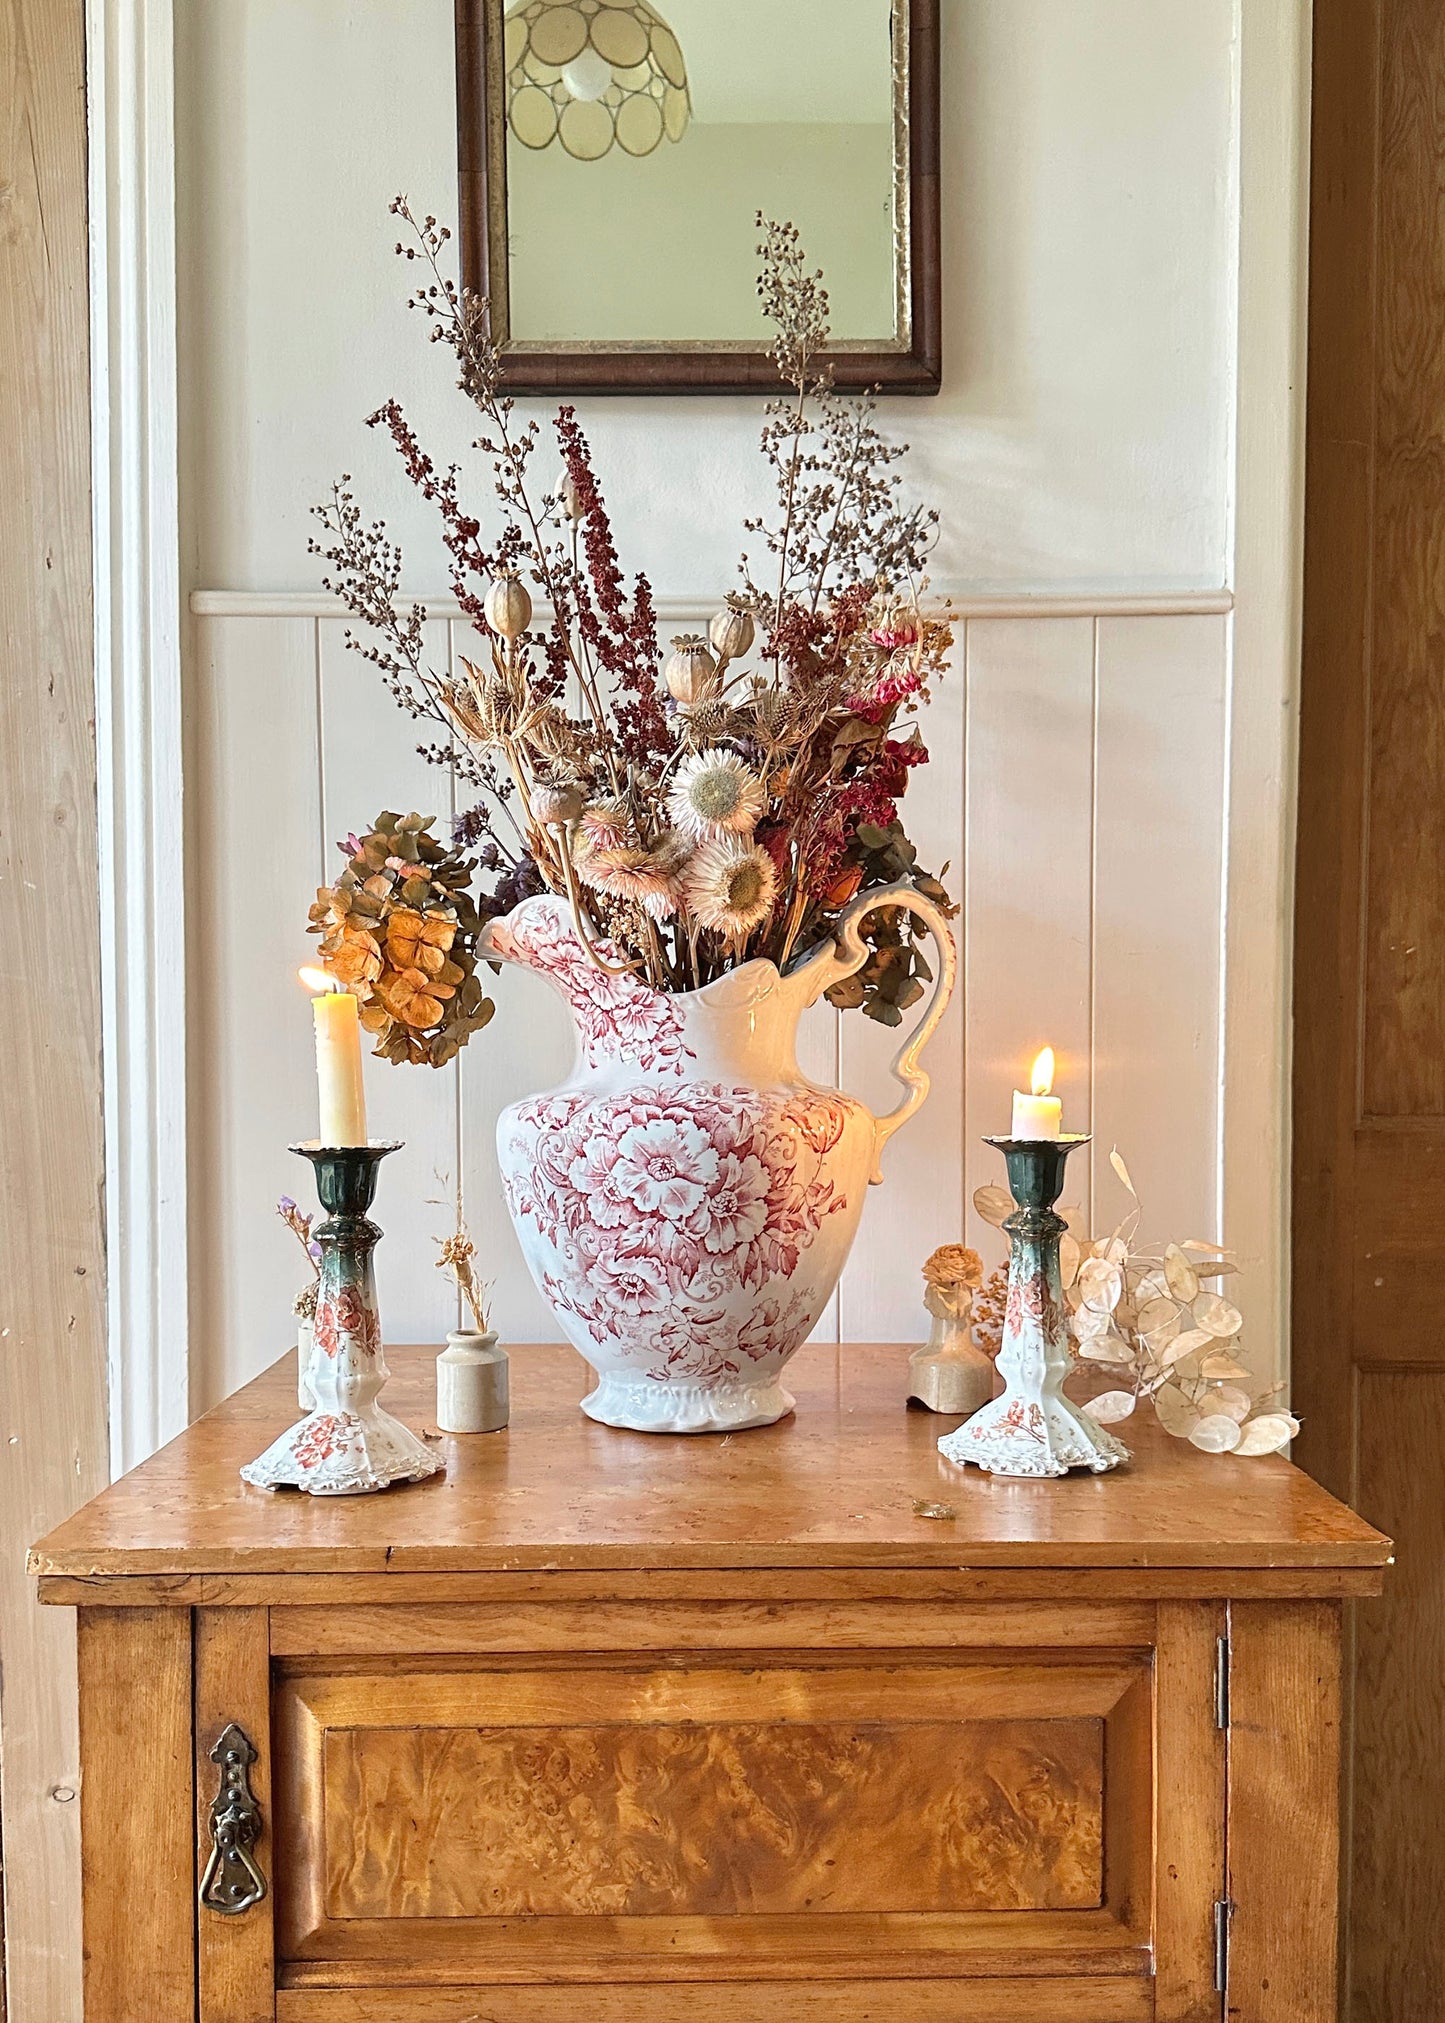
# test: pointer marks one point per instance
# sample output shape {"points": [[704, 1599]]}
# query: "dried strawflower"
{"points": [[606, 825], [730, 890], [715, 794], [625, 872]]}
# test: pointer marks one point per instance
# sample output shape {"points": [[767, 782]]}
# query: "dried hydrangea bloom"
{"points": [[714, 794]]}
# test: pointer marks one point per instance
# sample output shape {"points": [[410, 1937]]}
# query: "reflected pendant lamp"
{"points": [[593, 75]]}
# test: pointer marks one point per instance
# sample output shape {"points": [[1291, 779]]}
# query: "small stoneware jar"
{"points": [[472, 1383]]}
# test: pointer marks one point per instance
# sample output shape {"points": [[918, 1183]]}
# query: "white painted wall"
{"points": [[1131, 910], [1083, 434]]}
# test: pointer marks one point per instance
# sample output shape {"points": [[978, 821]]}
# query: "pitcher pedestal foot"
{"points": [[642, 1406]]}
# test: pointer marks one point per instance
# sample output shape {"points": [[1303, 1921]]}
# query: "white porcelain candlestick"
{"points": [[1033, 1429], [347, 1444], [472, 1383]]}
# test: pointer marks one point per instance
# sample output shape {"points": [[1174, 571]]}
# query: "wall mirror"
{"points": [[613, 155]]}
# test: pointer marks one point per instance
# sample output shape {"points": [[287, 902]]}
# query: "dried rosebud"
{"points": [[556, 805], [508, 607], [691, 672], [731, 631]]}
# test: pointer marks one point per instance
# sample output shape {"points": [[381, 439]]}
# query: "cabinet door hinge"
{"points": [[1223, 1912], [1221, 1682]]}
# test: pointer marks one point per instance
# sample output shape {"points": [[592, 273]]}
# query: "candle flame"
{"points": [[1043, 1074], [318, 981]]}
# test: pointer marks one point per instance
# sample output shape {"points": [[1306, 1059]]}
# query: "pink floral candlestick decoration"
{"points": [[347, 1445], [1033, 1429]]}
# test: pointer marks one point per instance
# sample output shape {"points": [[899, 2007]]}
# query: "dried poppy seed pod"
{"points": [[732, 629], [556, 805], [691, 672], [508, 607]]}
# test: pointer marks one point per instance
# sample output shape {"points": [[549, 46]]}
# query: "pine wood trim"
{"points": [[52, 1258]]}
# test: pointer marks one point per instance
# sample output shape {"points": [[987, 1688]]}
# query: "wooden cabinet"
{"points": [[645, 1728]]}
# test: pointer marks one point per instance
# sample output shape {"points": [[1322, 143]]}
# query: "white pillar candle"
{"points": [[338, 1062], [1039, 1115]]}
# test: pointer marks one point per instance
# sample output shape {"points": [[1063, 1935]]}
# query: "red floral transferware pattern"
{"points": [[617, 1019], [656, 1207], [347, 1314]]}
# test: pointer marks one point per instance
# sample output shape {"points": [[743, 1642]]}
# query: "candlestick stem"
{"points": [[1033, 1429]]}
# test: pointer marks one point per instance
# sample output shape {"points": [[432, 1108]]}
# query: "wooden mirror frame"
{"points": [[914, 365]]}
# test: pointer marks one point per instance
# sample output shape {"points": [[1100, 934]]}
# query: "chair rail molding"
{"points": [[139, 730]]}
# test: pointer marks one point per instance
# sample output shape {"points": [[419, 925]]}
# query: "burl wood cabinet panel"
{"points": [[706, 1730]]}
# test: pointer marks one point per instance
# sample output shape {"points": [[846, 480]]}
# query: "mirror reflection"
{"points": [[641, 141]]}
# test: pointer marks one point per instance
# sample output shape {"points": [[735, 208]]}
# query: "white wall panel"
{"points": [[1029, 939], [369, 763], [1160, 806], [256, 827]]}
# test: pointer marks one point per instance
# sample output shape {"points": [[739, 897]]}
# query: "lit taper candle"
{"points": [[338, 1060], [1039, 1115]]}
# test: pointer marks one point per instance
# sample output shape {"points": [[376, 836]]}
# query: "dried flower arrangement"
{"points": [[399, 929], [696, 812], [1145, 1310], [299, 1224]]}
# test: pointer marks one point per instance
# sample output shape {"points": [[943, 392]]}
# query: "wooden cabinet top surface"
{"points": [[833, 1487]]}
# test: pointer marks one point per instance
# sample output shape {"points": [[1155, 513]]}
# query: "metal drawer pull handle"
{"points": [[232, 1883]]}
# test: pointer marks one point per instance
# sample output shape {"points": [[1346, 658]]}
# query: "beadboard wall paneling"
{"points": [[1077, 792], [1028, 946]]}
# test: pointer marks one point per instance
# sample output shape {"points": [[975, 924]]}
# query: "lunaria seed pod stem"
{"points": [[508, 607], [691, 672], [569, 504]]}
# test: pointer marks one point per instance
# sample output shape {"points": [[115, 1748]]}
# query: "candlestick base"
{"points": [[348, 1446], [343, 1454], [1033, 1429], [1023, 1434]]}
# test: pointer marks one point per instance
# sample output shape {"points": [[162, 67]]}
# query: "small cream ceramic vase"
{"points": [[472, 1383], [949, 1373]]}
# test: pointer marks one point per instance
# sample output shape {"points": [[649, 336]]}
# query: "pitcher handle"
{"points": [[848, 952]]}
